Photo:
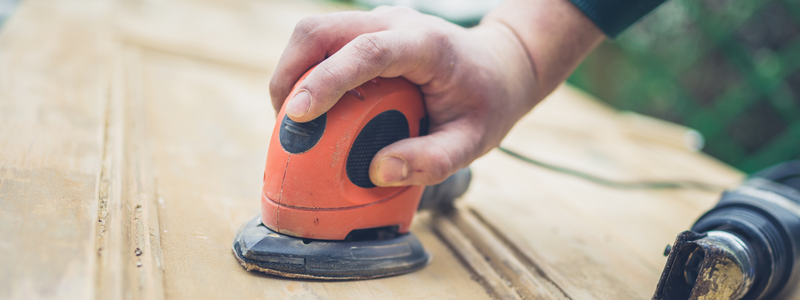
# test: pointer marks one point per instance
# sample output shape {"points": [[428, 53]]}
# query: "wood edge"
{"points": [[130, 263], [524, 273], [473, 260], [146, 237], [109, 274]]}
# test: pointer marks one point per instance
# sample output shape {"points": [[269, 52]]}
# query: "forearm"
{"points": [[555, 35]]}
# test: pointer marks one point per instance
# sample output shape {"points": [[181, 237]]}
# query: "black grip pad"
{"points": [[386, 128], [297, 138]]}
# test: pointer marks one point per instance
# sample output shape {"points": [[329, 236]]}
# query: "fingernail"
{"points": [[299, 105], [392, 169]]}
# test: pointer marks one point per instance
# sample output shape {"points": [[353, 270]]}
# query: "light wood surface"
{"points": [[133, 137], [53, 83]]}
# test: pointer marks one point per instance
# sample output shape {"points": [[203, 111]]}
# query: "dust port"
{"points": [[373, 234], [712, 265], [692, 266], [686, 267]]}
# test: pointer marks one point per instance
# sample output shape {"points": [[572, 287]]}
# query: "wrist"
{"points": [[555, 33], [514, 61]]}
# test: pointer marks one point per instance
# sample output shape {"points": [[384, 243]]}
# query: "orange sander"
{"points": [[321, 216]]}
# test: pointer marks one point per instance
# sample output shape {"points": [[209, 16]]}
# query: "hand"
{"points": [[476, 83]]}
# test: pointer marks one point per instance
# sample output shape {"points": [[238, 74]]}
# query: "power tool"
{"points": [[746, 247], [321, 216]]}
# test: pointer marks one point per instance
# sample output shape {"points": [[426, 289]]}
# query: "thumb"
{"points": [[425, 160]]}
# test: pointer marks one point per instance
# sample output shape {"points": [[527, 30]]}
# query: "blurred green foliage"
{"points": [[728, 68]]}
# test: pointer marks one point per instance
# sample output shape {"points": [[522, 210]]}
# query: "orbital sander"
{"points": [[321, 216]]}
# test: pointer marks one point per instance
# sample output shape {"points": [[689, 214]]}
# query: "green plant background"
{"points": [[727, 68]]}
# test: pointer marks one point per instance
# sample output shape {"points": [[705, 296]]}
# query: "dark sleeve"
{"points": [[613, 16]]}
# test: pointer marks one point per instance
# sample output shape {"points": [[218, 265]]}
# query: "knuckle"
{"points": [[403, 10], [438, 173], [393, 9], [438, 37], [274, 86], [328, 75], [440, 41], [275, 90], [382, 8], [399, 15], [307, 26], [327, 82], [372, 48], [439, 169]]}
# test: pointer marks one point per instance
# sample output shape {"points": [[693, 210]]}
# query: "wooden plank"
{"points": [[133, 160], [54, 64]]}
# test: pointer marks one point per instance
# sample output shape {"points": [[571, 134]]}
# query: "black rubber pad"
{"points": [[297, 138], [386, 128]]}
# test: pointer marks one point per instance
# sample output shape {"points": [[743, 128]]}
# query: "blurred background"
{"points": [[728, 68], [6, 7]]}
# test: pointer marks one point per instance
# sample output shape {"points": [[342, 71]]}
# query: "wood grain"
{"points": [[54, 66]]}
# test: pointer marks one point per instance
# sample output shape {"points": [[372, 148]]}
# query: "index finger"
{"points": [[314, 39], [388, 53]]}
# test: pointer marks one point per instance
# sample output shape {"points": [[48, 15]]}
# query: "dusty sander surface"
{"points": [[257, 247]]}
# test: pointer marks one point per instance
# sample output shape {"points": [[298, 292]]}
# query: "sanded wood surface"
{"points": [[133, 136], [54, 65]]}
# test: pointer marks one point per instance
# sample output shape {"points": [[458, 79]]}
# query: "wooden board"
{"points": [[53, 70], [133, 137]]}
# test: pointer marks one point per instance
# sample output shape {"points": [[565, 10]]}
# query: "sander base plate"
{"points": [[257, 247]]}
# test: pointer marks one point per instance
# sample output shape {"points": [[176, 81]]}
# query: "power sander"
{"points": [[321, 216], [747, 247]]}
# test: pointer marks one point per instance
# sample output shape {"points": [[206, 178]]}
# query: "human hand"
{"points": [[476, 83]]}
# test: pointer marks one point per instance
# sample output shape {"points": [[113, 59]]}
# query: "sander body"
{"points": [[321, 216]]}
